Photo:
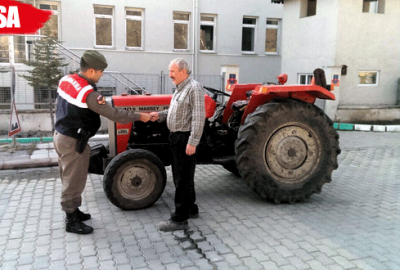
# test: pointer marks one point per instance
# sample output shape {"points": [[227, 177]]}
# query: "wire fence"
{"points": [[112, 83]]}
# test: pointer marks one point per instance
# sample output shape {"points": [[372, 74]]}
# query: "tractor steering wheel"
{"points": [[216, 92]]}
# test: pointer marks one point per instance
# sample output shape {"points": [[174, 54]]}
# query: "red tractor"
{"points": [[273, 136]]}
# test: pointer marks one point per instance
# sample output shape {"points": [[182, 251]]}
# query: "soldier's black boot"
{"points": [[83, 216], [74, 224]]}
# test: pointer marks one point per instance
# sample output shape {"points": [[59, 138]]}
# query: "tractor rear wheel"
{"points": [[231, 167], [286, 150], [134, 179]]}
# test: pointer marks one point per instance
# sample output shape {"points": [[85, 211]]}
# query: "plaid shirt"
{"points": [[186, 111]]}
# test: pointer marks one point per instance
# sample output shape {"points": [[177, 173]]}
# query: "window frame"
{"points": [[214, 25], [379, 9], [104, 16], [3, 94], [254, 26], [365, 84], [134, 18], [57, 13], [305, 8], [11, 51], [273, 26], [308, 78], [188, 33]]}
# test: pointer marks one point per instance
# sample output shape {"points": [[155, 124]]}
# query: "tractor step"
{"points": [[224, 160]]}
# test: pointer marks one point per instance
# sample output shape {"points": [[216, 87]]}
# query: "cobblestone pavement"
{"points": [[353, 224]]}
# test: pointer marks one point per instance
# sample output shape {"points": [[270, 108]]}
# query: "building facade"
{"points": [[142, 37], [358, 41]]}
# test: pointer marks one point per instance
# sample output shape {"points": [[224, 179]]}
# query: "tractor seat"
{"points": [[320, 79]]}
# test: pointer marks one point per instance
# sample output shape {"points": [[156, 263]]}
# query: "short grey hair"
{"points": [[182, 64]]}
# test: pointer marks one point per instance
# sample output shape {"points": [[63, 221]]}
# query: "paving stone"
{"points": [[107, 265], [340, 228], [185, 261], [204, 264], [270, 265], [91, 262], [9, 265], [42, 262], [174, 266], [259, 255], [138, 262], [133, 251], [156, 265], [26, 258], [73, 258], [124, 267], [88, 251], [167, 257], [251, 263], [75, 267], [27, 267], [58, 264]]}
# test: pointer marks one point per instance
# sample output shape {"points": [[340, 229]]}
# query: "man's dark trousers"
{"points": [[183, 167]]}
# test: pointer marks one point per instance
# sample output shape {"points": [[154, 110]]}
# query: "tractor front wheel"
{"points": [[286, 150], [134, 179]]}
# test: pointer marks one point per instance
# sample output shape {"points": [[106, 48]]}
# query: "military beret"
{"points": [[95, 59]]}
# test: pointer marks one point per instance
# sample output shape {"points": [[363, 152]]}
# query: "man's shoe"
{"points": [[191, 215], [83, 216], [170, 225], [194, 215], [73, 224]]}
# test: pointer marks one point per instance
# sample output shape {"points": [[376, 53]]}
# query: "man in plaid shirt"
{"points": [[185, 120]]}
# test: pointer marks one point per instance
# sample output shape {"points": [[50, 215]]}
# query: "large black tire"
{"points": [[231, 167], [134, 179], [286, 150]]}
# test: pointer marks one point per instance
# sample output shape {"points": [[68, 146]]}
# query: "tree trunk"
{"points": [[51, 109]]}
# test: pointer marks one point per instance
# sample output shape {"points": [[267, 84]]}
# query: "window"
{"points": [[53, 23], [41, 97], [134, 28], [5, 98], [271, 36], [12, 49], [207, 32], [104, 24], [181, 30], [107, 91], [248, 34], [368, 78], [19, 49], [308, 8], [374, 6], [305, 78], [4, 50]]}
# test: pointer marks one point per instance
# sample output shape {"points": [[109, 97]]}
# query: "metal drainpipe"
{"points": [[194, 40], [398, 92]]}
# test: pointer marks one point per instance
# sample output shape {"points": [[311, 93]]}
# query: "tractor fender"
{"points": [[265, 93]]}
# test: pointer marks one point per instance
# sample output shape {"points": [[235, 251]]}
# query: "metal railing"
{"points": [[112, 83]]}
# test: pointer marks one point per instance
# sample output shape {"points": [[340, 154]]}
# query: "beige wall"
{"points": [[309, 42], [371, 42]]}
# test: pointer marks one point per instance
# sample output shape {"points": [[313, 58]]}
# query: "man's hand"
{"points": [[190, 149], [154, 116], [144, 117]]}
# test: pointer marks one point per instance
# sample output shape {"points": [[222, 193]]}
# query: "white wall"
{"points": [[158, 36], [369, 42], [308, 42]]}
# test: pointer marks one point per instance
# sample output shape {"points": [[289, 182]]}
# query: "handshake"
{"points": [[153, 116]]}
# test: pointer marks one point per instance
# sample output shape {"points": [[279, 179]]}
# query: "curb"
{"points": [[49, 139], [362, 127], [28, 163]]}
